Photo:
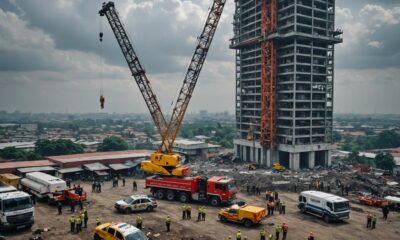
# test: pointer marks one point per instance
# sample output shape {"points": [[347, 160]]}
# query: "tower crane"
{"points": [[164, 161]]}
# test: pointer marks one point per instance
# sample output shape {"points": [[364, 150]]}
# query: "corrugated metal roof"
{"points": [[95, 167], [118, 166], [70, 170], [35, 169], [22, 164], [98, 156]]}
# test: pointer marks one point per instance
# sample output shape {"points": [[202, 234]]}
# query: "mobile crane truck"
{"points": [[171, 180]]}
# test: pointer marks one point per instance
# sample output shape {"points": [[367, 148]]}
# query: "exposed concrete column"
{"points": [[267, 154], [236, 150], [328, 159], [294, 161], [311, 159], [244, 154]]}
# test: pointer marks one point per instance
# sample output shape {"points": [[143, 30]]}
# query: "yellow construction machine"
{"points": [[165, 161]]}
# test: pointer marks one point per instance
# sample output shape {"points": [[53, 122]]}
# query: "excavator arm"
{"points": [[136, 68]]}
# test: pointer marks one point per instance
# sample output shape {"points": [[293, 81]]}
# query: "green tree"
{"points": [[387, 139], [337, 137], [46, 147], [19, 154], [385, 161], [112, 143]]}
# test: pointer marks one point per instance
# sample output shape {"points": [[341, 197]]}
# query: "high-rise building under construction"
{"points": [[284, 81]]}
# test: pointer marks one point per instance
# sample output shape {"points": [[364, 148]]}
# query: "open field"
{"points": [[102, 205]]}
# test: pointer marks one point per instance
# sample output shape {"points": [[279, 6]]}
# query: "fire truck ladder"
{"points": [[268, 74]]}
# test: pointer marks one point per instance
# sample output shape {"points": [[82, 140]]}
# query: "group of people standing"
{"points": [[96, 187], [275, 204]]}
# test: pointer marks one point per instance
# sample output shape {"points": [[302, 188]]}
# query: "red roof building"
{"points": [[11, 167], [77, 160]]}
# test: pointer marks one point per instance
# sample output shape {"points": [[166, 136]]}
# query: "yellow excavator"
{"points": [[165, 161]]}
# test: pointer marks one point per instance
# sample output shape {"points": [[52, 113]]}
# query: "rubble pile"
{"points": [[335, 179]]}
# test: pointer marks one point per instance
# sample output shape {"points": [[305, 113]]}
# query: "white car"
{"points": [[136, 203]]}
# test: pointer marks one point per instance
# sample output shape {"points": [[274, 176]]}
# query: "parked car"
{"points": [[122, 231], [136, 203]]}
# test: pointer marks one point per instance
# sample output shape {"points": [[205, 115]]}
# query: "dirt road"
{"points": [[102, 206]]}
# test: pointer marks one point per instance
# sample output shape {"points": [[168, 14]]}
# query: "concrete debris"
{"points": [[337, 179]]}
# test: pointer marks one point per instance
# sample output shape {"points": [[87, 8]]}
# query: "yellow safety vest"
{"points": [[71, 219], [168, 220], [263, 233], [139, 220]]}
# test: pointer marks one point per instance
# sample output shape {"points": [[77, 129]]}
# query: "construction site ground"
{"points": [[102, 205]]}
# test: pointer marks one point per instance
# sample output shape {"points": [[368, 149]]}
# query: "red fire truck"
{"points": [[214, 190]]}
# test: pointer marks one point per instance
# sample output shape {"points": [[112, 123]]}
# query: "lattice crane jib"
{"points": [[193, 72], [165, 162], [268, 74], [136, 68]]}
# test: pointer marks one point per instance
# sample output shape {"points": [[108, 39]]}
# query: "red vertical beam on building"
{"points": [[268, 74]]}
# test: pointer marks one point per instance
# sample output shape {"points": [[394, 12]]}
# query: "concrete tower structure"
{"points": [[284, 81]]}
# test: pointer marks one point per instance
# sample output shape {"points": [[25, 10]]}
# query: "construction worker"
{"points": [[168, 222], [134, 185], [98, 221], [85, 217], [373, 221], [203, 213], [80, 202], [278, 230], [184, 208], [199, 210], [72, 223], [369, 219], [270, 236], [311, 237], [238, 235], [263, 233], [189, 212], [285, 229], [139, 221], [59, 207], [78, 224], [82, 216], [283, 207]]}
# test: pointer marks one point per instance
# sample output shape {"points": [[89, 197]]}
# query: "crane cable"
{"points": [[102, 99]]}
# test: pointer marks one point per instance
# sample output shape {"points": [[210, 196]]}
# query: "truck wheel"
{"points": [[96, 237], [303, 209], [128, 210], [170, 195], [160, 194], [149, 208], [222, 219], [326, 219], [247, 223], [183, 197], [214, 201]]}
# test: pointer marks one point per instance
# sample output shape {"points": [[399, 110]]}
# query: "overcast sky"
{"points": [[51, 59]]}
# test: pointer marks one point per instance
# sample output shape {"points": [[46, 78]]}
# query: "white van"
{"points": [[327, 206]]}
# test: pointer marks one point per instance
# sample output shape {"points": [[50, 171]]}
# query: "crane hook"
{"points": [[101, 36], [102, 100]]}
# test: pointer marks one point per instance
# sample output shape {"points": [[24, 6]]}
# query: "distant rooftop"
{"points": [[98, 156], [17, 145], [23, 164], [95, 167]]}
